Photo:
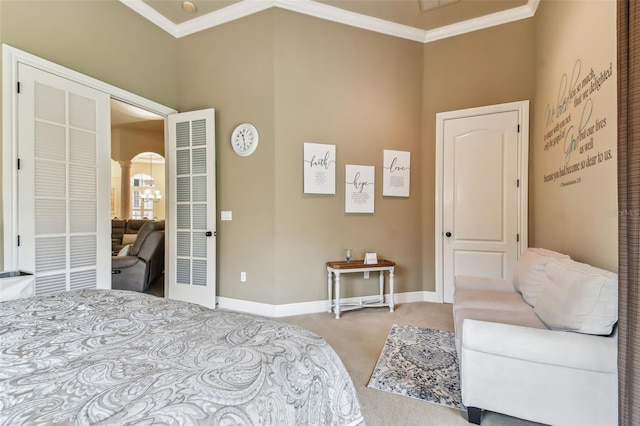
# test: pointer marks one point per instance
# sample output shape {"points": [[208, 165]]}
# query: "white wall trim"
{"points": [[276, 311], [342, 16], [9, 154], [329, 13], [483, 22]]}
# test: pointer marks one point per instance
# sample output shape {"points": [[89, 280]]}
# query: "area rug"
{"points": [[419, 363]]}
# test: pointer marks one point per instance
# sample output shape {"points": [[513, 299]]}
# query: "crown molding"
{"points": [[329, 13], [342, 16], [483, 22]]}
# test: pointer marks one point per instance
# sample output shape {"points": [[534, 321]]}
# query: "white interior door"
{"points": [[480, 197], [63, 182], [191, 264]]}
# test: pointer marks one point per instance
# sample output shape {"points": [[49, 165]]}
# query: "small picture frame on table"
{"points": [[370, 259]]}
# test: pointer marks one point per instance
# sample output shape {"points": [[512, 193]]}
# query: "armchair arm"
{"points": [[122, 262], [560, 348]]}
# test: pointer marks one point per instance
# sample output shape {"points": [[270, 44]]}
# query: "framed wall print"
{"points": [[319, 164], [359, 189], [396, 173]]}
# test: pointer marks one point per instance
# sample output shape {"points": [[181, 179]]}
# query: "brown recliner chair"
{"points": [[145, 261]]}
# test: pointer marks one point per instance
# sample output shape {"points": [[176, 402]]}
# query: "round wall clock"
{"points": [[244, 139]]}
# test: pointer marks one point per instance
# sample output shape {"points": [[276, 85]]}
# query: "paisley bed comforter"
{"points": [[118, 357]]}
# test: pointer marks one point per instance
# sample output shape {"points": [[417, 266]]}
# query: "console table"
{"points": [[334, 269]]}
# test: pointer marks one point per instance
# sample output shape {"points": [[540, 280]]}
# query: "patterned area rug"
{"points": [[419, 363]]}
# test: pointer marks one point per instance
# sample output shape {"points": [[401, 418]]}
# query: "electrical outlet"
{"points": [[243, 277]]}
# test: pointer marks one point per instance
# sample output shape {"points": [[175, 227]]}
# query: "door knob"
{"points": [[448, 234]]}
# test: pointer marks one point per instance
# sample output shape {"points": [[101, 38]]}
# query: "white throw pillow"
{"points": [[129, 238], [529, 272], [578, 297], [124, 251]]}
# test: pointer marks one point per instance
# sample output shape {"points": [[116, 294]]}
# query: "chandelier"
{"points": [[154, 195], [150, 193]]}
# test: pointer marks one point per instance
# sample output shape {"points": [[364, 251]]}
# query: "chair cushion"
{"points": [[129, 238], [470, 282], [526, 318], [529, 272], [124, 251], [578, 297], [487, 299]]}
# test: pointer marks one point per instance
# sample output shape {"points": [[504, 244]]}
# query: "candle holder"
{"points": [[347, 254]]}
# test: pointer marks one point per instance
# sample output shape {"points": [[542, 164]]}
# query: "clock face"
{"points": [[244, 139]]}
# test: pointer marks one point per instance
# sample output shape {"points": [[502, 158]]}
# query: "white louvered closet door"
{"points": [[63, 183], [191, 265]]}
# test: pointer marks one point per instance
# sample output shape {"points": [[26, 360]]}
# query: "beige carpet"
{"points": [[358, 337]]}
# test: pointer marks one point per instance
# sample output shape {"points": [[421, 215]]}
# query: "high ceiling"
{"points": [[419, 20]]}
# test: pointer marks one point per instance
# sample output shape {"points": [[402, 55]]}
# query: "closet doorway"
{"points": [[190, 218]]}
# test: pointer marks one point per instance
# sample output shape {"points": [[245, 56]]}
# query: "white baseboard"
{"points": [[289, 309]]}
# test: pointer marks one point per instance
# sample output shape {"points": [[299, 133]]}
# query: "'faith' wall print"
{"points": [[319, 168]]}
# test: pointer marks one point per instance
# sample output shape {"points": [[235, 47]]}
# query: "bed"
{"points": [[119, 357]]}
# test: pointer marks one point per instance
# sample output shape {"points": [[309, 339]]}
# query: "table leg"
{"points": [[329, 290], [391, 304], [337, 295], [381, 278]]}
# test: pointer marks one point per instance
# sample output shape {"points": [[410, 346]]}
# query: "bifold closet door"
{"points": [[63, 183]]}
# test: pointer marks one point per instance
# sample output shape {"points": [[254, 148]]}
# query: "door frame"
{"points": [[11, 57], [522, 107]]}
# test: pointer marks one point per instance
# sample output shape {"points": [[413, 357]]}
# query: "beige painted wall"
{"points": [[492, 66], [360, 91], [300, 79], [575, 212], [102, 39], [230, 68], [126, 143]]}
